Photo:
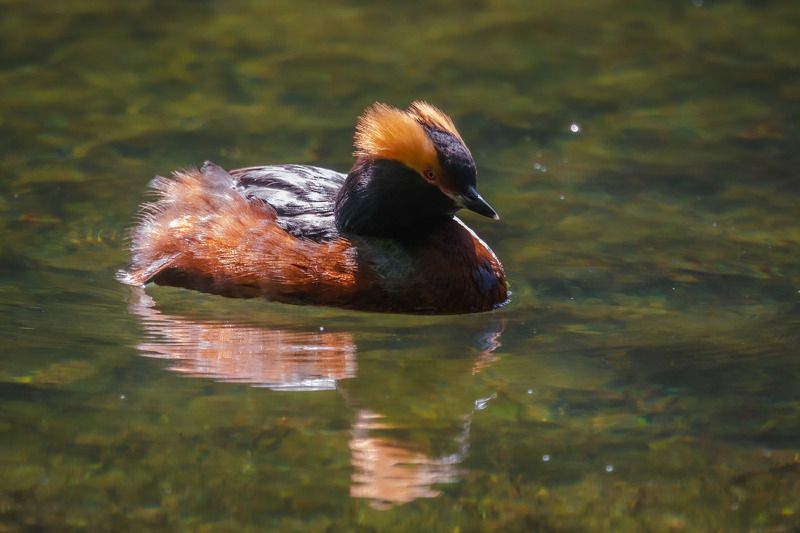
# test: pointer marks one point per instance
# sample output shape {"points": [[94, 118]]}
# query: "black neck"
{"points": [[387, 199]]}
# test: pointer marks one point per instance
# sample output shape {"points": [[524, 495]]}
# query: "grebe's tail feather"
{"points": [[188, 208]]}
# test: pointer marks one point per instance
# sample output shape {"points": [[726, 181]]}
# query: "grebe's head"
{"points": [[423, 139]]}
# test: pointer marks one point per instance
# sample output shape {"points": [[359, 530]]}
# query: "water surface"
{"points": [[643, 157]]}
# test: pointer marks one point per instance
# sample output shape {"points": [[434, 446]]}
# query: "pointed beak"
{"points": [[473, 201]]}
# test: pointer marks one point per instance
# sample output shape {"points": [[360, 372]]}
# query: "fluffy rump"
{"points": [[193, 211], [201, 232]]}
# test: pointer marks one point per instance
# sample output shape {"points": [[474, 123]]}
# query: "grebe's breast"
{"points": [[451, 270]]}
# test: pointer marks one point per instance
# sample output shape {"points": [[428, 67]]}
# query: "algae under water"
{"points": [[646, 375]]}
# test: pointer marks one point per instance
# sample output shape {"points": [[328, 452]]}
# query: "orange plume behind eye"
{"points": [[434, 117], [385, 132]]}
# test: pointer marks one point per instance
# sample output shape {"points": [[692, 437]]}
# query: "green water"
{"points": [[645, 376]]}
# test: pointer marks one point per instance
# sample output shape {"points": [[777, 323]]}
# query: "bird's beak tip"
{"points": [[474, 202]]}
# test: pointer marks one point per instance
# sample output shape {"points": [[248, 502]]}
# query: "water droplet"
{"points": [[121, 396], [574, 128], [322, 328], [481, 403], [540, 167], [530, 391], [609, 468], [546, 458], [561, 197]]}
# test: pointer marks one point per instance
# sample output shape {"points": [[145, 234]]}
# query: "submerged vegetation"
{"points": [[644, 376]]}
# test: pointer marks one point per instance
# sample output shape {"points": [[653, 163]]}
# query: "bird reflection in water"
{"points": [[386, 470], [279, 359], [387, 473]]}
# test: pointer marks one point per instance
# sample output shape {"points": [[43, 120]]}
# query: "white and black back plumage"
{"points": [[302, 196]]}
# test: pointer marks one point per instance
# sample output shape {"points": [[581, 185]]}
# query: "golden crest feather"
{"points": [[434, 117], [386, 132]]}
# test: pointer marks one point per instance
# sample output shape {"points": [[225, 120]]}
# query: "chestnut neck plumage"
{"points": [[385, 198]]}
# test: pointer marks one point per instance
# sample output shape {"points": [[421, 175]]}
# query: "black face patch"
{"points": [[455, 159], [385, 198]]}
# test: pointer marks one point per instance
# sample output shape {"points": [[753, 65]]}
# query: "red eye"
{"points": [[429, 174]]}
